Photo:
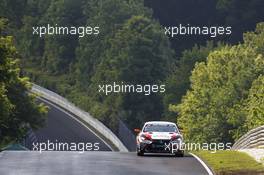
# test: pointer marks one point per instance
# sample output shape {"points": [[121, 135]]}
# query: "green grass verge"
{"points": [[231, 163]]}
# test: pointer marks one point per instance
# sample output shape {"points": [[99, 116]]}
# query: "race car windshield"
{"points": [[160, 128]]}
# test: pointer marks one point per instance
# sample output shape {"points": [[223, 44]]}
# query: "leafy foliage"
{"points": [[19, 110], [177, 83], [109, 15], [213, 109], [224, 98], [255, 104], [143, 59]]}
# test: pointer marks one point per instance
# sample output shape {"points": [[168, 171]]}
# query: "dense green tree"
{"points": [[212, 110], [241, 15], [109, 16], [19, 110], [13, 10], [30, 46], [75, 66], [178, 82], [22, 16], [59, 51], [255, 104], [143, 59]]}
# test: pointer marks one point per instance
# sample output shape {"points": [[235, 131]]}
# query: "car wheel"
{"points": [[179, 154], [140, 152]]}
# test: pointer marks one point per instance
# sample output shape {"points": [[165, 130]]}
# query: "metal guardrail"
{"points": [[252, 139], [84, 116]]}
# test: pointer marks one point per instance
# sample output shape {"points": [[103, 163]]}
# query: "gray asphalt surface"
{"points": [[95, 163], [62, 128]]}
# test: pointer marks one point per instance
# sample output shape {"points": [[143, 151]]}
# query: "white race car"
{"points": [[159, 137]]}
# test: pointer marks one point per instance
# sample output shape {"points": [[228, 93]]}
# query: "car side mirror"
{"points": [[136, 130]]}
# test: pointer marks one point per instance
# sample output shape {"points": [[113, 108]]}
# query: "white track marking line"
{"points": [[209, 171], [64, 111]]}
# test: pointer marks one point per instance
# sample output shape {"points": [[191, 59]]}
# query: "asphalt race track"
{"points": [[63, 128], [95, 163]]}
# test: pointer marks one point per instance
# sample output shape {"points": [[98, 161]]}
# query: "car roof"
{"points": [[160, 122]]}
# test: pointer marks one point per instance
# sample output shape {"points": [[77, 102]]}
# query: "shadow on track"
{"points": [[164, 155]]}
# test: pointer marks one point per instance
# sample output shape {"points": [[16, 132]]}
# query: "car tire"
{"points": [[140, 152], [179, 154]]}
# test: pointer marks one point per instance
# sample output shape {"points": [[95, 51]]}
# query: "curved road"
{"points": [[63, 128]]}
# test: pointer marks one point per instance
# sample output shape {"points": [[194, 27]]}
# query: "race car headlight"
{"points": [[144, 137], [141, 138], [176, 139], [179, 140]]}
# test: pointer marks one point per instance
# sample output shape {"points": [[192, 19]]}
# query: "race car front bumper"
{"points": [[160, 146]]}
